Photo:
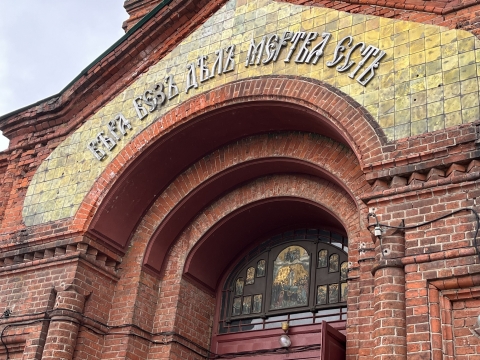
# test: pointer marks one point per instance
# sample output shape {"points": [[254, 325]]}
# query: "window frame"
{"points": [[312, 240]]}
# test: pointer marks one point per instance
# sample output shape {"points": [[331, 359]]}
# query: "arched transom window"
{"points": [[299, 276]]}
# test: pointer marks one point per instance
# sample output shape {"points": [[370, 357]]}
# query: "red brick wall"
{"points": [[128, 308], [148, 305]]}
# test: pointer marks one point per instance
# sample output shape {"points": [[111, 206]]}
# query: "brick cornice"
{"points": [[137, 10], [439, 7]]}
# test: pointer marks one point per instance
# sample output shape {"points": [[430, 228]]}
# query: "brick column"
{"points": [[389, 318], [64, 325]]}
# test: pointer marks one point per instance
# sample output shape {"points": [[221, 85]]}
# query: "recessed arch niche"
{"points": [[235, 235]]}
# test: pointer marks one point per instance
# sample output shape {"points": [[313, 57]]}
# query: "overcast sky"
{"points": [[45, 44]]}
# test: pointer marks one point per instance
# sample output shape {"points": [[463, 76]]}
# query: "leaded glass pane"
{"points": [[247, 305], [322, 295], [290, 281], [237, 306], [250, 276], [257, 303], [333, 263], [239, 286], [290, 278], [344, 292], [333, 293], [343, 271], [261, 268], [322, 258]]}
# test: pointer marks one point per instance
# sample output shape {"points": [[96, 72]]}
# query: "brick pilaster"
{"points": [[389, 318], [64, 325]]}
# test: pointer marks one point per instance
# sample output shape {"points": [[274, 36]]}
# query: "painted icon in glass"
{"points": [[257, 303], [333, 293], [334, 260], [261, 268], [322, 258], [237, 306], [344, 271], [239, 286], [250, 276], [322, 295], [344, 292], [290, 278], [247, 305]]}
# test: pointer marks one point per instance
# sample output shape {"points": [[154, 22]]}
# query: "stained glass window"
{"points": [[290, 278], [247, 305], [344, 271], [277, 280], [250, 276], [344, 292], [332, 293], [237, 306], [239, 286], [333, 263], [261, 268], [322, 258], [322, 295], [257, 304]]}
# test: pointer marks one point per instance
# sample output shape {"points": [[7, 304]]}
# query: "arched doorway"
{"points": [[230, 236], [294, 282]]}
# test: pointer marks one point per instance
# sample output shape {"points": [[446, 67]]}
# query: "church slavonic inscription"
{"points": [[301, 47]]}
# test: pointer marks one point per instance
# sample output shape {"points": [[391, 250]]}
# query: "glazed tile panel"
{"points": [[427, 81]]}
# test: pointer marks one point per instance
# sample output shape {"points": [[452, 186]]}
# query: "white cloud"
{"points": [[45, 44]]}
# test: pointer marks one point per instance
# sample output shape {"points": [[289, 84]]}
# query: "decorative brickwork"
{"points": [[125, 256]]}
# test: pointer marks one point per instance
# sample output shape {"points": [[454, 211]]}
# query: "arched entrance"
{"points": [[192, 201], [297, 279], [231, 237]]}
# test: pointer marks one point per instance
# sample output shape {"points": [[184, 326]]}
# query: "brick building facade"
{"points": [[201, 182]]}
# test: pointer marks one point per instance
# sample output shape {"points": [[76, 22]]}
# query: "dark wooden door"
{"points": [[333, 343]]}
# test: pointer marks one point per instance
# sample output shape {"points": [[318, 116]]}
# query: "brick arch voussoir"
{"points": [[303, 187], [324, 193], [352, 121], [334, 158]]}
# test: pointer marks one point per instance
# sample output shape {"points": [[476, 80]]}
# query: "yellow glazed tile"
{"points": [[433, 41], [419, 127], [453, 118], [434, 109], [469, 100], [452, 104], [470, 114], [469, 86], [451, 76], [417, 58], [417, 45], [402, 131], [419, 113], [403, 117], [467, 58], [436, 123]]}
